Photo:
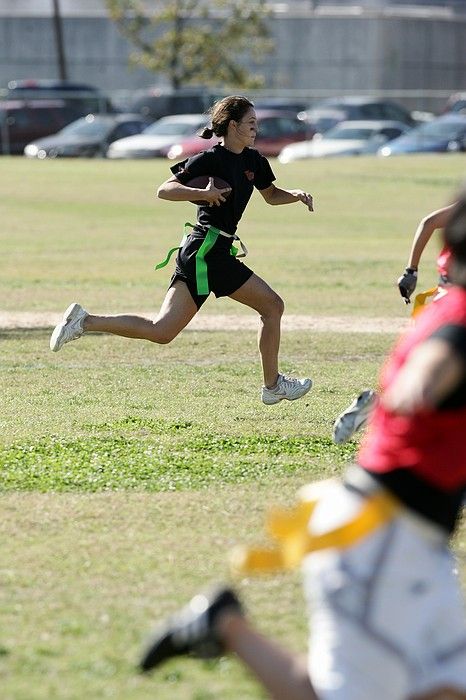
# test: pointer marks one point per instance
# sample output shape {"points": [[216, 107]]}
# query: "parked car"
{"points": [[158, 102], [279, 104], [278, 129], [321, 120], [358, 108], [444, 134], [22, 122], [351, 138], [87, 137], [155, 103], [456, 103], [175, 137], [80, 97], [163, 138]]}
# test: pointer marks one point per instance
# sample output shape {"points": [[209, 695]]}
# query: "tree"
{"points": [[201, 42]]}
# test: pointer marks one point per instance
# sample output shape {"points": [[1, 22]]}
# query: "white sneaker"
{"points": [[70, 328], [286, 388], [354, 417]]}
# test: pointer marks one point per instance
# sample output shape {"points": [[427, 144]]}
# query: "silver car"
{"points": [[157, 140], [349, 138]]}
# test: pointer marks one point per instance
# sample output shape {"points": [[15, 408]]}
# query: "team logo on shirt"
{"points": [[249, 174]]}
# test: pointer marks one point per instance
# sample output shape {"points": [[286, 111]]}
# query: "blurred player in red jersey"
{"points": [[355, 416]]}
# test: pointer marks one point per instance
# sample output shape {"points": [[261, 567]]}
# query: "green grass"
{"points": [[108, 413], [85, 578], [94, 229], [129, 470]]}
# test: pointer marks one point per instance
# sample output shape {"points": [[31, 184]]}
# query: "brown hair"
{"points": [[222, 112], [455, 238]]}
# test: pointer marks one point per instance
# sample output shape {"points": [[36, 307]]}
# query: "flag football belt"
{"points": [[420, 300], [210, 239], [290, 530], [437, 292]]}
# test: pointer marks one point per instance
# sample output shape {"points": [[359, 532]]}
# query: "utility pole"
{"points": [[58, 30]]}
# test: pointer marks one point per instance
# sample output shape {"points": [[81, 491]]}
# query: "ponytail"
{"points": [[206, 133]]}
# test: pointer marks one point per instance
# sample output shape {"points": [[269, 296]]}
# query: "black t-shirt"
{"points": [[243, 171]]}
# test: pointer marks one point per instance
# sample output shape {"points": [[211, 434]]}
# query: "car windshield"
{"points": [[439, 130], [163, 128], [324, 124], [87, 126], [459, 106], [352, 133]]}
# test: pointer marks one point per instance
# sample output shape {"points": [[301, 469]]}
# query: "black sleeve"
{"points": [[264, 174], [200, 164], [455, 336]]}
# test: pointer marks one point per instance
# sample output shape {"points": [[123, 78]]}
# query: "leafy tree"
{"points": [[196, 41]]}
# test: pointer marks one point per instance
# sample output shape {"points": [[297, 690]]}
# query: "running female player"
{"points": [[205, 262]]}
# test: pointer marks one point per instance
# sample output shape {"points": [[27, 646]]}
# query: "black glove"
{"points": [[407, 284]]}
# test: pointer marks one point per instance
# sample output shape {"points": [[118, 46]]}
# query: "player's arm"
{"points": [[431, 373], [276, 195], [436, 219], [426, 227], [174, 191]]}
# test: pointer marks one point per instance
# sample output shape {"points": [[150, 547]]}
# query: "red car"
{"points": [[277, 129], [24, 121]]}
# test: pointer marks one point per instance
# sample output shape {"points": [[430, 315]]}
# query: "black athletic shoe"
{"points": [[191, 630]]}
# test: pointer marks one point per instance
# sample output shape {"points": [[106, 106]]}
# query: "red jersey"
{"points": [[431, 444]]}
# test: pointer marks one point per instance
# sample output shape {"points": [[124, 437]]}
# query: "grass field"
{"points": [[129, 470]]}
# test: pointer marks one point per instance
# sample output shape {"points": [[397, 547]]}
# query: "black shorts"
{"points": [[216, 271]]}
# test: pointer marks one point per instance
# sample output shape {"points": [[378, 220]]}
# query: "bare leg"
{"points": [[177, 309], [284, 675], [259, 296]]}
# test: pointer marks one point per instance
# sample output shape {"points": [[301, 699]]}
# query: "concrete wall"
{"points": [[369, 52], [315, 52], [95, 52]]}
